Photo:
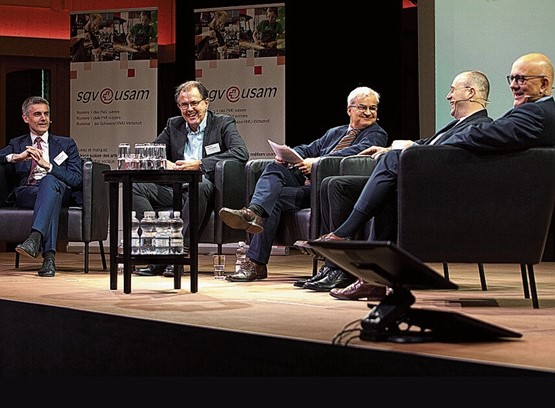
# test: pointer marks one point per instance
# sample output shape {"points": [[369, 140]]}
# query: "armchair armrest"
{"points": [[6, 182], [229, 180], [357, 166], [95, 201]]}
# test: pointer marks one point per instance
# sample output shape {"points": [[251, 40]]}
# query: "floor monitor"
{"points": [[394, 318]]}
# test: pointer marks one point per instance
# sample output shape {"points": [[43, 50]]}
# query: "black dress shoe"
{"points": [[324, 270], [337, 278], [30, 247], [168, 272], [249, 272], [150, 270], [243, 219], [48, 268]]}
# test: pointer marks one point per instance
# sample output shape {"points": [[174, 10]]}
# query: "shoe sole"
{"points": [[259, 277], [237, 222], [21, 251], [144, 274]]}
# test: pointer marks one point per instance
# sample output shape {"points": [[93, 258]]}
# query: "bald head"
{"points": [[531, 78]]}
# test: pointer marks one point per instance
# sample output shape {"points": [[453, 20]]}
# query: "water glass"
{"points": [[219, 266], [124, 150]]}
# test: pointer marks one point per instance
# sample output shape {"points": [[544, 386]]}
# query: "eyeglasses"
{"points": [[364, 108], [521, 79], [185, 105], [454, 88]]}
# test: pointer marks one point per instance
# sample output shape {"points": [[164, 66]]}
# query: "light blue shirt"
{"points": [[193, 147]]}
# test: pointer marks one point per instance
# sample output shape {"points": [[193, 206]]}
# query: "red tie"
{"points": [[347, 139], [31, 180]]}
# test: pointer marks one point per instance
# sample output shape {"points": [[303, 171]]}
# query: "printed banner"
{"points": [[114, 77], [240, 57]]}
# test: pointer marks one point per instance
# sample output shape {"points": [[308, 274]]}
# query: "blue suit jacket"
{"points": [[529, 125], [69, 171], [455, 126], [373, 135]]}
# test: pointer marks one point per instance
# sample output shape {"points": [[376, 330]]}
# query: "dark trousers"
{"points": [[154, 197], [277, 191], [46, 199]]}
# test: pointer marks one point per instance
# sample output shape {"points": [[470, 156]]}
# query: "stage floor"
{"points": [[274, 307]]}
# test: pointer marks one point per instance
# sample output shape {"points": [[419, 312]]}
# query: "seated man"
{"points": [[47, 167], [284, 188], [196, 140]]}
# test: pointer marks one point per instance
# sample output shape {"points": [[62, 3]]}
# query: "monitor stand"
{"points": [[394, 320]]}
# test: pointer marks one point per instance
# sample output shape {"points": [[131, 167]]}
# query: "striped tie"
{"points": [[31, 179], [347, 139]]}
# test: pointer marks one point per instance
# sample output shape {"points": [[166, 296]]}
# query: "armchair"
{"points": [[456, 206], [85, 220], [230, 192]]}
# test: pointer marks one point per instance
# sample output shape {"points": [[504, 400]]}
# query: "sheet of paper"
{"points": [[285, 153]]}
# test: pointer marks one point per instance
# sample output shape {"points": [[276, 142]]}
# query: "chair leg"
{"points": [[86, 257], [524, 281], [220, 249], [446, 270], [102, 255], [532, 280], [482, 276], [314, 265], [17, 259]]}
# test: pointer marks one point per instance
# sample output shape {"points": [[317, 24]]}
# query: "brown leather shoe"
{"points": [[358, 290], [243, 219], [249, 272]]}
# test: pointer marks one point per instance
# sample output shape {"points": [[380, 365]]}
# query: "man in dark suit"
{"points": [[195, 140], [47, 167], [531, 123], [468, 97], [283, 187]]}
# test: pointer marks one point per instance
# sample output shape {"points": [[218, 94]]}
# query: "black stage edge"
{"points": [[42, 340]]}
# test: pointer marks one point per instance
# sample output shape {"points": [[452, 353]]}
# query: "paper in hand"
{"points": [[285, 153]]}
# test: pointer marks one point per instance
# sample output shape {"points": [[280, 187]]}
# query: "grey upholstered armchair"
{"points": [[456, 206], [85, 220]]}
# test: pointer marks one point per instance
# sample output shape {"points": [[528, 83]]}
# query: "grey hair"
{"points": [[33, 100], [362, 92]]}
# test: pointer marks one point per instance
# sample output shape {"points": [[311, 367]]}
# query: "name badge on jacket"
{"points": [[212, 149]]}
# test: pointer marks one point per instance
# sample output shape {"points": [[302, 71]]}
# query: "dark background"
{"points": [[329, 52]]}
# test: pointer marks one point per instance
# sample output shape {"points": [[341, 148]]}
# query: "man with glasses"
{"points": [[195, 140], [531, 123], [283, 187]]}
